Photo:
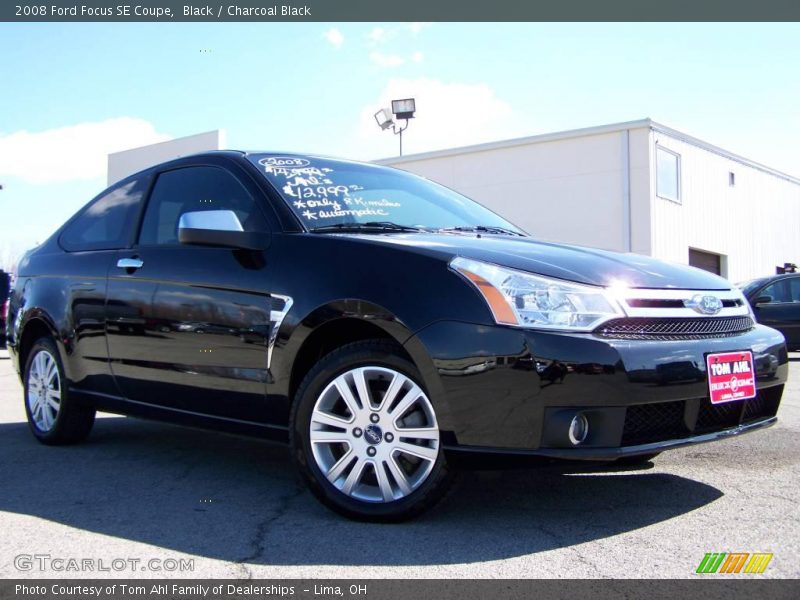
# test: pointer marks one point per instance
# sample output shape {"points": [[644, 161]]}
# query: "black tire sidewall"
{"points": [[348, 357]]}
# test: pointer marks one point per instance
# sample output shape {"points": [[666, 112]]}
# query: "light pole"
{"points": [[401, 110]]}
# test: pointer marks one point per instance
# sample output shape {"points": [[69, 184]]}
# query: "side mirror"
{"points": [[217, 228], [762, 300]]}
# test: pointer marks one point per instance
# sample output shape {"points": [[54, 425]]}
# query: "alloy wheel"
{"points": [[44, 390], [374, 434]]}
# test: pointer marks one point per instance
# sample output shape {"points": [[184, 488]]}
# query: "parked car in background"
{"points": [[776, 303], [382, 325]]}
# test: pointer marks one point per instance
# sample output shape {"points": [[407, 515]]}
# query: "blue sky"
{"points": [[73, 92]]}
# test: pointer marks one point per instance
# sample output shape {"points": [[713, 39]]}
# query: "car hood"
{"points": [[573, 263]]}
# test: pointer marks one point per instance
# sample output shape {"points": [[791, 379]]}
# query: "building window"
{"points": [[668, 174], [731, 179]]}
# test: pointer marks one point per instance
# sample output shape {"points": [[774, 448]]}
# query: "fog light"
{"points": [[578, 429]]}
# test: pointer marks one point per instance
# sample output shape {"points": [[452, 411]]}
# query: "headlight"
{"points": [[525, 300]]}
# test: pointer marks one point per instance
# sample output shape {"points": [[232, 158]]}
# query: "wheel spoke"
{"points": [[383, 482], [354, 476], [362, 389], [399, 476], [427, 433], [329, 437], [423, 452], [411, 396], [324, 418], [338, 468], [38, 418], [391, 392], [347, 396], [45, 416], [51, 371], [38, 365], [53, 404]]}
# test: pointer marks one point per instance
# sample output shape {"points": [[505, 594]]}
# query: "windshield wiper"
{"points": [[368, 226], [484, 229]]}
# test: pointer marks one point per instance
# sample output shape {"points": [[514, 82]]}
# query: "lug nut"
{"points": [[371, 451], [374, 417], [357, 432], [389, 437]]}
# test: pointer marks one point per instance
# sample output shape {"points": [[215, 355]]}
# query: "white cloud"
{"points": [[74, 152], [418, 57], [378, 35], [417, 27], [448, 115], [334, 37], [386, 60]]}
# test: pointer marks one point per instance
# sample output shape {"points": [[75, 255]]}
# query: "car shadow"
{"points": [[238, 499]]}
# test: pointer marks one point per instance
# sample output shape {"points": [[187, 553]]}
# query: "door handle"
{"points": [[130, 263]]}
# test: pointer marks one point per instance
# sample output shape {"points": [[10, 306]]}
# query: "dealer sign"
{"points": [[731, 376]]}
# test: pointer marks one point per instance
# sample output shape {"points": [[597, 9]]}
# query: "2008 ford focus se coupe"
{"points": [[380, 324]]}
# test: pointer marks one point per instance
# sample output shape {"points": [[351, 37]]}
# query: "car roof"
{"points": [[239, 155]]}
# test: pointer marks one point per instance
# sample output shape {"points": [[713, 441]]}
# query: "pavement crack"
{"points": [[257, 540]]}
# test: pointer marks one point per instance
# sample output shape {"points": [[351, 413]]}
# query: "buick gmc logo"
{"points": [[705, 305]]}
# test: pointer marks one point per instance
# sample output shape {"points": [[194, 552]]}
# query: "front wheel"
{"points": [[365, 435]]}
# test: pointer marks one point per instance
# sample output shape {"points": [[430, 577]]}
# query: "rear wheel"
{"points": [[365, 435], [53, 417]]}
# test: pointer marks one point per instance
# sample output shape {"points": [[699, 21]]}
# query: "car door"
{"points": [[188, 326], [782, 312], [78, 276]]}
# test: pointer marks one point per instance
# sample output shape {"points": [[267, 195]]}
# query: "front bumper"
{"points": [[510, 391]]}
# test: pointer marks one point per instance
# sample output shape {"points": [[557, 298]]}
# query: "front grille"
{"points": [[661, 421], [716, 417], [764, 405], [673, 303], [646, 423], [674, 328]]}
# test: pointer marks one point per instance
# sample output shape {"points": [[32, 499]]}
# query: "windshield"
{"points": [[331, 194], [748, 287]]}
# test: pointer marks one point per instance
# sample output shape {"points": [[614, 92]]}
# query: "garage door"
{"points": [[708, 261]]}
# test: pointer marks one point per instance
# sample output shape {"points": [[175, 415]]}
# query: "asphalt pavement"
{"points": [[167, 501]]}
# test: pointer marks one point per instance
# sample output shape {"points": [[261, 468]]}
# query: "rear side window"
{"points": [[107, 222], [194, 189]]}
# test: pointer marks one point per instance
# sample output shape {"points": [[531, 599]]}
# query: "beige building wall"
{"points": [[598, 187]]}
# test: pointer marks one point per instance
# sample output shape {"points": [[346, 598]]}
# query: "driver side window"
{"points": [[192, 189], [779, 291]]}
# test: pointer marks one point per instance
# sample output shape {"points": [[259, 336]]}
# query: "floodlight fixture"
{"points": [[404, 109], [384, 118]]}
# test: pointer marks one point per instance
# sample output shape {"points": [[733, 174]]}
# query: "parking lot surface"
{"points": [[233, 507]]}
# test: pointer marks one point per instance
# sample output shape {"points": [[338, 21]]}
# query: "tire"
{"points": [[53, 417], [360, 468], [639, 459]]}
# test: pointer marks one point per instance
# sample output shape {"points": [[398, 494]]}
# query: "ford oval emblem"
{"points": [[705, 305], [373, 434]]}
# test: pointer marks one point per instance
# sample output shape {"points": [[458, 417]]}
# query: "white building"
{"points": [[632, 187], [127, 162]]}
